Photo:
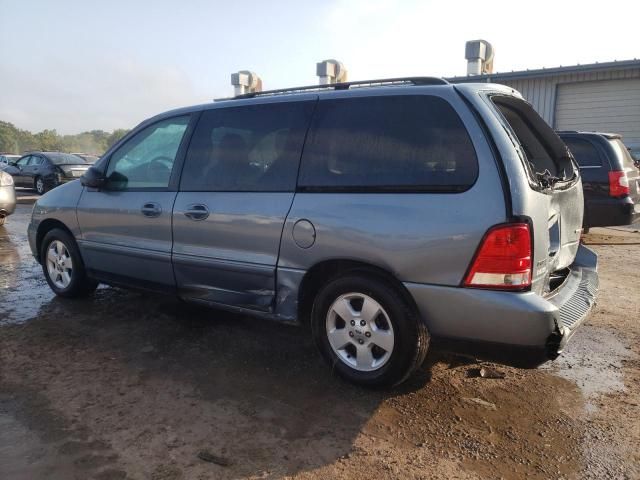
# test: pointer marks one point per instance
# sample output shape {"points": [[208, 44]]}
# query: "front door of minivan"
{"points": [[126, 226], [237, 186]]}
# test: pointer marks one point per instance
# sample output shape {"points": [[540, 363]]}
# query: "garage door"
{"points": [[606, 106]]}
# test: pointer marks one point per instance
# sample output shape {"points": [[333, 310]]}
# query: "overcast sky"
{"points": [[77, 65]]}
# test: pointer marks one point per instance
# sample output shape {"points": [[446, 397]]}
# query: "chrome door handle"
{"points": [[196, 212], [151, 209]]}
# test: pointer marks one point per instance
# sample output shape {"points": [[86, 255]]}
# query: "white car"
{"points": [[7, 196], [6, 159]]}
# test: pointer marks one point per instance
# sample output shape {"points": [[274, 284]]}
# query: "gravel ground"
{"points": [[125, 385]]}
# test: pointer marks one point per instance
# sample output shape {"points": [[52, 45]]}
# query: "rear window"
{"points": [[584, 152], [545, 155], [623, 153], [64, 159], [404, 142]]}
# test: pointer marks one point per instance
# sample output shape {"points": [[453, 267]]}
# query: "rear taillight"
{"points": [[618, 184], [503, 260]]}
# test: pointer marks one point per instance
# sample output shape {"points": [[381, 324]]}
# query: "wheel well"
{"points": [[45, 227], [321, 273]]}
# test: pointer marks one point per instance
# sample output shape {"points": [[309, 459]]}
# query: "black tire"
{"points": [[39, 187], [411, 338], [80, 285]]}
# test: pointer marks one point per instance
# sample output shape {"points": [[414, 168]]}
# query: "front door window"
{"points": [[146, 160]]}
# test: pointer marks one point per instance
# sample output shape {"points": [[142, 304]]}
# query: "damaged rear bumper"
{"points": [[521, 329], [574, 300]]}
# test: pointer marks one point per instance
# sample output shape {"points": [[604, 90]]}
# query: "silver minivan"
{"points": [[382, 214]]}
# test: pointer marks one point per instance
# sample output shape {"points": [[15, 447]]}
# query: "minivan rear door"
{"points": [[236, 189], [551, 171]]}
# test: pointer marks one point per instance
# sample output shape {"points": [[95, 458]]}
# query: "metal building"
{"points": [[598, 96]]}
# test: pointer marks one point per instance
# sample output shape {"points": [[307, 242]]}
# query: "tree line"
{"points": [[15, 140]]}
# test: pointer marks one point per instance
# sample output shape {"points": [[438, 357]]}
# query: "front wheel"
{"points": [[63, 267], [367, 331]]}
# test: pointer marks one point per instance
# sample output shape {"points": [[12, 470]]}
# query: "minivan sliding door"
{"points": [[237, 186]]}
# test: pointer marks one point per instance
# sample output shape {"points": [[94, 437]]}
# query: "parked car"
{"points": [[88, 158], [416, 209], [610, 179], [7, 159], [7, 196], [43, 171]]}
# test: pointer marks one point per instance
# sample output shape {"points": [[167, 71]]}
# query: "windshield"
{"points": [[64, 159]]}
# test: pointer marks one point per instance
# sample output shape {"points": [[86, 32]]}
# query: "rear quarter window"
{"points": [[388, 143]]}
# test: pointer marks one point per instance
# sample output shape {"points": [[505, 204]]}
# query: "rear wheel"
{"points": [[367, 331], [63, 267], [39, 186]]}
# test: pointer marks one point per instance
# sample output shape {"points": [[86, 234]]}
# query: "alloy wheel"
{"points": [[59, 264], [360, 332]]}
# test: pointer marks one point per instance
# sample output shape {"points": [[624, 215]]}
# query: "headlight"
{"points": [[6, 180]]}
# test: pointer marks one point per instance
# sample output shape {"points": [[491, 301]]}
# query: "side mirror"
{"points": [[93, 178]]}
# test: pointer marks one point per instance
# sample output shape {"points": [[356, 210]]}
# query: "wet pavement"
{"points": [[126, 385]]}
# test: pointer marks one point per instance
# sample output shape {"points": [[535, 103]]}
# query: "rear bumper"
{"points": [[7, 200], [521, 329], [609, 212]]}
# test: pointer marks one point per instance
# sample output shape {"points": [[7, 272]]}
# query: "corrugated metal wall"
{"points": [[605, 105], [541, 92]]}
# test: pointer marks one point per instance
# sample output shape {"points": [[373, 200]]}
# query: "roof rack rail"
{"points": [[347, 85]]}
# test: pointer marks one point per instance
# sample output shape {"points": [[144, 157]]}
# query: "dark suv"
{"points": [[609, 178]]}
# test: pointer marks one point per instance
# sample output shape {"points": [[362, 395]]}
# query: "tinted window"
{"points": [[584, 152], [36, 161], [251, 148], [64, 159], [402, 142], [146, 159]]}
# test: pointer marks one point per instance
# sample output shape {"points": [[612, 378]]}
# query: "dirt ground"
{"points": [[125, 385]]}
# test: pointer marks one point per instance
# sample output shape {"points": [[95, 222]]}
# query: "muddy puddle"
{"points": [[23, 289], [594, 362]]}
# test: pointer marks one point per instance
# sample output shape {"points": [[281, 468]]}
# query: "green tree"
{"points": [[8, 138], [49, 141], [115, 136], [15, 140]]}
